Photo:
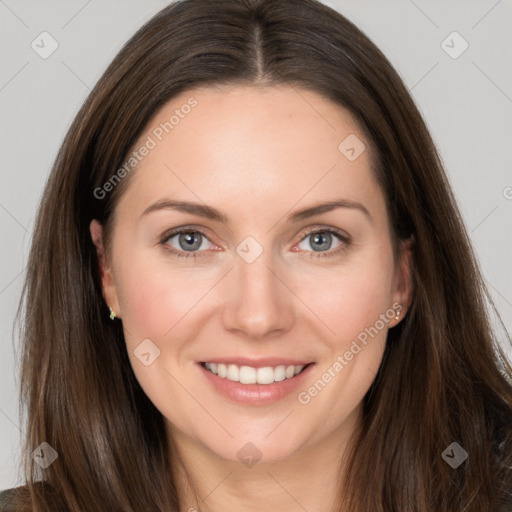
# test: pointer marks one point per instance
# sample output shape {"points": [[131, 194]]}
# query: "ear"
{"points": [[403, 285], [107, 280]]}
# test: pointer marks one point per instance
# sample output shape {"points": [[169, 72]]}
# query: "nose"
{"points": [[260, 303]]}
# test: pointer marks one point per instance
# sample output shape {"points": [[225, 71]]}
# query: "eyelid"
{"points": [[182, 229], [327, 229]]}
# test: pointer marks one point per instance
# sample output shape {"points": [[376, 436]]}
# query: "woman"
{"points": [[250, 287]]}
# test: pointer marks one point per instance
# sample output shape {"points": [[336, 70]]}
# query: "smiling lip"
{"points": [[257, 363], [256, 394]]}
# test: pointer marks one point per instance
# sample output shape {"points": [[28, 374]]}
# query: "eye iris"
{"points": [[186, 241], [322, 238], [191, 241]]}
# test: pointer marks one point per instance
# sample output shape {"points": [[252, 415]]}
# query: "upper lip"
{"points": [[258, 363]]}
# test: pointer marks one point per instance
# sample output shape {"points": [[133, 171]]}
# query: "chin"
{"points": [[261, 448]]}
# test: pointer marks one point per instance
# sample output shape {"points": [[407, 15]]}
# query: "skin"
{"points": [[256, 154]]}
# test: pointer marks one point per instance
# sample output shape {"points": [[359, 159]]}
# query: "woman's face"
{"points": [[264, 280]]}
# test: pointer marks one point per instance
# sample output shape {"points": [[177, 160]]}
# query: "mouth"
{"points": [[255, 385], [264, 375]]}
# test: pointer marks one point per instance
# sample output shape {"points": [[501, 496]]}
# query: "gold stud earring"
{"points": [[112, 314]]}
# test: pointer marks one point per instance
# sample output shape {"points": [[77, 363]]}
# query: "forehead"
{"points": [[247, 145]]}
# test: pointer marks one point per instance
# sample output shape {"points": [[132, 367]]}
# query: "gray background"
{"points": [[466, 103]]}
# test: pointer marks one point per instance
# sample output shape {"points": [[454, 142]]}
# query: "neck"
{"points": [[309, 480]]}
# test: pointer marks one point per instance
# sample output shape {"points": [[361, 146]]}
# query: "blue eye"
{"points": [[322, 239], [189, 242]]}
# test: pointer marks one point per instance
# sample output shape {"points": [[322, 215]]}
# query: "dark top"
{"points": [[8, 496], [22, 495], [5, 497]]}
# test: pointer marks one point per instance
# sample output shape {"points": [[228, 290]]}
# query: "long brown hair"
{"points": [[443, 378]]}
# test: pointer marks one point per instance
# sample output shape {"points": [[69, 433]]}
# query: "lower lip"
{"points": [[255, 394]]}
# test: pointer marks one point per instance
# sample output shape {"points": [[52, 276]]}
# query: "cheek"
{"points": [[357, 315], [352, 298], [157, 305], [154, 298], [144, 306], [355, 304]]}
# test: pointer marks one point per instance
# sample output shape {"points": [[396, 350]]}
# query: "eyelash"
{"points": [[344, 239]]}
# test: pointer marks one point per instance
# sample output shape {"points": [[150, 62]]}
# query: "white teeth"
{"points": [[250, 375], [232, 372], [265, 375], [247, 375], [280, 373], [222, 370]]}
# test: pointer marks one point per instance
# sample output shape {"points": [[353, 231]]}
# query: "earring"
{"points": [[112, 314], [398, 315]]}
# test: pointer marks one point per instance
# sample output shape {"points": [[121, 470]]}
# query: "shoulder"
{"points": [[20, 499], [7, 498]]}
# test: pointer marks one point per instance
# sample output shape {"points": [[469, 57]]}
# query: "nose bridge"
{"points": [[260, 302]]}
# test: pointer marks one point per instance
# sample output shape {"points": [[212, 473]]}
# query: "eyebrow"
{"points": [[202, 210]]}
